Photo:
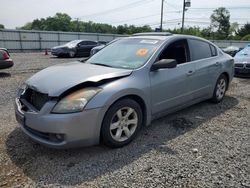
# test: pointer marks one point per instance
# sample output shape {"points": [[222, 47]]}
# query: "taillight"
{"points": [[6, 56]]}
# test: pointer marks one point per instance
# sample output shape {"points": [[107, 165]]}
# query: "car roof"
{"points": [[165, 36], [153, 34], [81, 40], [151, 37], [3, 49]]}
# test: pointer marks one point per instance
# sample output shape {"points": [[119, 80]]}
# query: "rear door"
{"points": [[82, 48], [89, 46], [170, 87], [205, 58]]}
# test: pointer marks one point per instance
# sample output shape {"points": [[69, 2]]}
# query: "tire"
{"points": [[118, 127], [72, 54], [220, 89]]}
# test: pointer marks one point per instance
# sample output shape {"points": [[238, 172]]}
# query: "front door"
{"points": [[170, 87]]}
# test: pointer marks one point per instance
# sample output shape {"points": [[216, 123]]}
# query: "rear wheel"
{"points": [[220, 89], [121, 123]]}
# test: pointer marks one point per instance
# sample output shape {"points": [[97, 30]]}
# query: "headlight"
{"points": [[22, 89], [76, 101]]}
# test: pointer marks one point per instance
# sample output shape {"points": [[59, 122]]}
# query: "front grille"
{"points": [[238, 65], [35, 98]]}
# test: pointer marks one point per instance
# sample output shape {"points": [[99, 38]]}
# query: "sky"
{"points": [[15, 13]]}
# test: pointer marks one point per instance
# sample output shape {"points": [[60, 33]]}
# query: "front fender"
{"points": [[132, 85]]}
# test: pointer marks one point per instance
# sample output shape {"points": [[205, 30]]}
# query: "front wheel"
{"points": [[72, 54], [220, 89], [121, 123]]}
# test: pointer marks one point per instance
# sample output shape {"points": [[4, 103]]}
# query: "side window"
{"points": [[213, 50], [91, 43], [199, 49], [83, 43], [177, 50]]}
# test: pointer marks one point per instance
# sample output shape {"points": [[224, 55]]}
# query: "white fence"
{"points": [[21, 40]]}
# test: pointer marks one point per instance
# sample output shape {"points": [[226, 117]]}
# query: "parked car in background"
{"points": [[123, 87], [102, 42], [98, 48], [231, 50], [242, 62], [5, 61], [75, 48]]}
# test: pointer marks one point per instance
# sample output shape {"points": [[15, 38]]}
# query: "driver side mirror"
{"points": [[164, 64]]}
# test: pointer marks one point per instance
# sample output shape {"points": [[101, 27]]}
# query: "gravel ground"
{"points": [[205, 145]]}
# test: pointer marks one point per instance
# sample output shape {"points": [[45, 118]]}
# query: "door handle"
{"points": [[189, 73]]}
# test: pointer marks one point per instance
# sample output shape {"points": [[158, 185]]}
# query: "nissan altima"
{"points": [[111, 96]]}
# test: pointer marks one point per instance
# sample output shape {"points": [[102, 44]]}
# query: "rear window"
{"points": [[200, 49]]}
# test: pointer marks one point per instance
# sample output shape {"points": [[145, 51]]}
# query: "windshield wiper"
{"points": [[101, 64]]}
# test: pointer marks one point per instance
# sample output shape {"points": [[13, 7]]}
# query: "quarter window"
{"points": [[200, 49], [213, 50]]}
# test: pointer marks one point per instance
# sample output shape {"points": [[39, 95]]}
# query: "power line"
{"points": [[143, 2], [121, 8], [138, 18], [172, 5], [178, 21], [167, 21], [213, 8]]}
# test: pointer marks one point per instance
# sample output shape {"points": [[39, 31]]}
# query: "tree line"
{"points": [[219, 28]]}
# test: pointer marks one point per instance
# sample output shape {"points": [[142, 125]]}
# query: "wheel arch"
{"points": [[141, 102], [137, 99], [228, 78]]}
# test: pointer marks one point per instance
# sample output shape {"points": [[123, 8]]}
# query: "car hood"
{"points": [[241, 59], [57, 79]]}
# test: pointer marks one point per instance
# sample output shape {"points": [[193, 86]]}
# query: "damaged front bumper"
{"points": [[59, 130]]}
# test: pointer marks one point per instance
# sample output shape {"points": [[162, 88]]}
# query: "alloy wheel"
{"points": [[123, 124], [221, 89]]}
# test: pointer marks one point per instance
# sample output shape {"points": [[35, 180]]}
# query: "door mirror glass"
{"points": [[164, 64]]}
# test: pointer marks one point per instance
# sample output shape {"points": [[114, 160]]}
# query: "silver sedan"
{"points": [[122, 88]]}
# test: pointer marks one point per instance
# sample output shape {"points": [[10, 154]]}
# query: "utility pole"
{"points": [[186, 3], [77, 25], [162, 4], [183, 15]]}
